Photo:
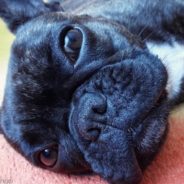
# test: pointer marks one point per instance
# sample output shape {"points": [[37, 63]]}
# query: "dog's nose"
{"points": [[91, 114]]}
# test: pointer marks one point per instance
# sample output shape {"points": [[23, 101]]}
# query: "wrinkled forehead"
{"points": [[48, 24]]}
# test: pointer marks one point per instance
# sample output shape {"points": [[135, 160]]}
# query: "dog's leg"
{"points": [[17, 12]]}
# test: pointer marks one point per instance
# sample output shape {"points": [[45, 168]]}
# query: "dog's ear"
{"points": [[17, 12]]}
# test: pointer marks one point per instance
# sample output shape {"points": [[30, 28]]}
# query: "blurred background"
{"points": [[6, 38]]}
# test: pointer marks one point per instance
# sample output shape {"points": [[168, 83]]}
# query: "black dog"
{"points": [[86, 94]]}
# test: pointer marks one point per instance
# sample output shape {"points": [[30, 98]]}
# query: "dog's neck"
{"points": [[172, 56]]}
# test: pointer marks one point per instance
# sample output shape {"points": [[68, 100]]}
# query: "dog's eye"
{"points": [[48, 157], [73, 43]]}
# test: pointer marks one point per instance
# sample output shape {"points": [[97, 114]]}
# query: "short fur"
{"points": [[107, 112]]}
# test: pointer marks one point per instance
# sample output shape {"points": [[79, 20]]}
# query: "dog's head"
{"points": [[82, 94]]}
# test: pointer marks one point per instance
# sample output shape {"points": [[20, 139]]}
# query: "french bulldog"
{"points": [[90, 84]]}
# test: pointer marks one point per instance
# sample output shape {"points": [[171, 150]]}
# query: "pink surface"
{"points": [[168, 167]]}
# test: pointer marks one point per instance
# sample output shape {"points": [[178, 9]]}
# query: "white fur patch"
{"points": [[172, 56]]}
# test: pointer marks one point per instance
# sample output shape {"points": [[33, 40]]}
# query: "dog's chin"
{"points": [[119, 117]]}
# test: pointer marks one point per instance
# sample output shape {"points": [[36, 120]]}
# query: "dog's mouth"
{"points": [[113, 114]]}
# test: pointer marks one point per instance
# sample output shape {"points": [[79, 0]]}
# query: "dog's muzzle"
{"points": [[115, 100]]}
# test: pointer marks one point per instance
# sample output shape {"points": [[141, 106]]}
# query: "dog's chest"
{"points": [[172, 57]]}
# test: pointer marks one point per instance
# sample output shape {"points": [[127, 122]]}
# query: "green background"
{"points": [[6, 39]]}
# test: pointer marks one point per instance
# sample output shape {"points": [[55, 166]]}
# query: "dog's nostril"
{"points": [[99, 105], [91, 116], [100, 108], [93, 134]]}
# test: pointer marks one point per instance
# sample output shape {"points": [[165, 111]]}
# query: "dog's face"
{"points": [[82, 95]]}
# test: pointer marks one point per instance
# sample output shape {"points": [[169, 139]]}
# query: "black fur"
{"points": [[18, 12], [107, 112]]}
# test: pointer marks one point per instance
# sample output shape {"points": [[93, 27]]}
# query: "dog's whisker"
{"points": [[142, 31], [148, 36]]}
